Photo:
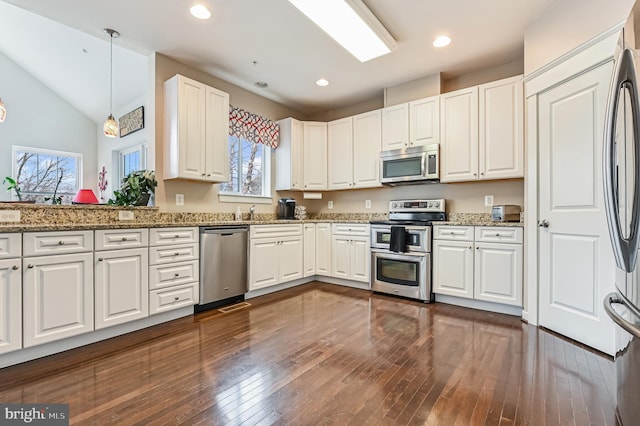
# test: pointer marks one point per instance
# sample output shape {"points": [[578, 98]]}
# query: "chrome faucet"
{"points": [[252, 210]]}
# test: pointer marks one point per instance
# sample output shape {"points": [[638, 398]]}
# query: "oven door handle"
{"points": [[386, 254]]}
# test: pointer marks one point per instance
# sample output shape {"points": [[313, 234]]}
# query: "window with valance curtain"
{"points": [[252, 127]]}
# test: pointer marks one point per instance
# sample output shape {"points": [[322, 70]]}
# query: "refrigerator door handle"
{"points": [[614, 298], [625, 249]]}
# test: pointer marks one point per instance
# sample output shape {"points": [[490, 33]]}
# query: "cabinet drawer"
{"points": [[43, 243], [10, 245], [499, 234], [270, 231], [121, 238], [161, 276], [172, 254], [459, 233], [172, 298], [166, 236], [350, 229]]}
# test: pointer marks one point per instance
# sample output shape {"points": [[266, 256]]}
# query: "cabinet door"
{"points": [[395, 127], [290, 156], [424, 121], [340, 142], [501, 136], [121, 286], [10, 305], [263, 263], [315, 155], [309, 239], [360, 259], [217, 135], [323, 249], [459, 135], [498, 273], [290, 260], [453, 268], [192, 149], [341, 256], [58, 297], [367, 144]]}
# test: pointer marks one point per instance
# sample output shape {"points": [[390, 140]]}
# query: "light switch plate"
{"points": [[330, 204], [9, 215], [367, 204], [125, 215], [179, 199], [488, 200]]}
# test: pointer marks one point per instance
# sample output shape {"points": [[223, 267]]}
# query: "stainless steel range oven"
{"points": [[401, 248]]}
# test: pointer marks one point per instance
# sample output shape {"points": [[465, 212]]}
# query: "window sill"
{"points": [[244, 199]]}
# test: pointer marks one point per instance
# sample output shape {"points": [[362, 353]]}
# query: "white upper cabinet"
{"points": [[340, 142], [424, 121], [315, 155], [395, 127], [290, 156], [367, 143], [196, 131], [502, 129], [459, 131]]}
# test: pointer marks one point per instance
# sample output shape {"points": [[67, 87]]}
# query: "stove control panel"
{"points": [[417, 206]]}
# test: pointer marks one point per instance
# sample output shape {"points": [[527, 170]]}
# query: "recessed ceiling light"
{"points": [[322, 82], [261, 84], [200, 11], [442, 41]]}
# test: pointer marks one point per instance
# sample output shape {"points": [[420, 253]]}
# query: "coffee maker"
{"points": [[286, 208]]}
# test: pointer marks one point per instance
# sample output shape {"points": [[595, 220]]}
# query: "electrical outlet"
{"points": [[330, 204], [367, 204], [179, 199], [125, 215], [488, 200], [9, 215]]}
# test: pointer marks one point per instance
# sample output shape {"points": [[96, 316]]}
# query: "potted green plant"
{"points": [[135, 190], [12, 184]]}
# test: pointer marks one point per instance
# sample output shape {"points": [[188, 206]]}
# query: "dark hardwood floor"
{"points": [[321, 354]]}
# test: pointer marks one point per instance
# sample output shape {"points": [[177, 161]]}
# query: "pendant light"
{"points": [[3, 111], [111, 125]]}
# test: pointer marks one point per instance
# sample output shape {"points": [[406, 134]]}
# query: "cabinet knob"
{"points": [[100, 259], [497, 234], [30, 266], [176, 275], [176, 236], [14, 267], [477, 248], [204, 174], [60, 243], [176, 254], [475, 174], [209, 175], [124, 238], [482, 174], [469, 247], [305, 186], [176, 298]]}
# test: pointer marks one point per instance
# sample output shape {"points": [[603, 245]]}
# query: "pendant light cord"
{"points": [[111, 76]]}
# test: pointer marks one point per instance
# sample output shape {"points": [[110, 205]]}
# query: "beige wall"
{"points": [[203, 197], [372, 104], [566, 24], [485, 75], [461, 197], [419, 88]]}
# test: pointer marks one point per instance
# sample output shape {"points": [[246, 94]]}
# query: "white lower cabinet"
{"points": [[57, 297], [309, 239], [275, 259], [10, 304], [323, 249], [350, 252], [486, 265], [121, 286]]}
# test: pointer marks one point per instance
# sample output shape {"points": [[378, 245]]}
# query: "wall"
{"points": [[38, 117], [419, 88], [372, 104], [486, 75], [566, 24], [203, 197]]}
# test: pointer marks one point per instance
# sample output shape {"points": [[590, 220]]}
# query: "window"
{"points": [[249, 165], [41, 172], [131, 160]]}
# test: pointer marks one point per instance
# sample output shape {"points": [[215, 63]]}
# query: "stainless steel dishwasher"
{"points": [[223, 264]]}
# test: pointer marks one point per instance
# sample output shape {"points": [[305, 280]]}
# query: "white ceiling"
{"points": [[290, 52]]}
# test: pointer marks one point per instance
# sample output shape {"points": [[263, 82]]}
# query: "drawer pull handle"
{"points": [[60, 243], [176, 298], [100, 259], [124, 238], [176, 275], [14, 267], [30, 266]]}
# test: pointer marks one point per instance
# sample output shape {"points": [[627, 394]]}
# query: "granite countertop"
{"points": [[475, 219]]}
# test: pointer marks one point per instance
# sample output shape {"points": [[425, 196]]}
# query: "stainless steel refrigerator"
{"points": [[622, 199]]}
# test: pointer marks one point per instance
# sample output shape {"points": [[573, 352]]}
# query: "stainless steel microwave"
{"points": [[410, 165]]}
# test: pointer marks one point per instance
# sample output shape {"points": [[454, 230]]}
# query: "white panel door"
{"points": [[58, 297], [323, 249], [340, 257], [315, 155], [309, 239], [498, 273], [291, 265], [340, 144], [360, 259], [121, 286], [459, 135], [424, 121], [367, 144], [263, 263], [191, 129], [577, 267], [395, 127], [217, 135], [502, 129], [10, 305], [453, 268]]}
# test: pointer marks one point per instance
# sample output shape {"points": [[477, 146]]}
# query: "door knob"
{"points": [[543, 223]]}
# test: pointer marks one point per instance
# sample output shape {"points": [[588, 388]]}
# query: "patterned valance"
{"points": [[249, 126]]}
